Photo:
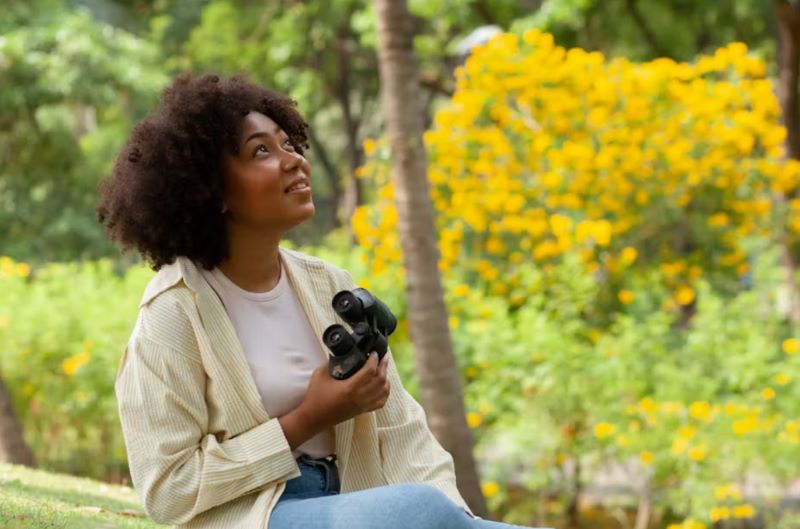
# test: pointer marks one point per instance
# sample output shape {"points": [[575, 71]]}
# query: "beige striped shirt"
{"points": [[203, 452]]}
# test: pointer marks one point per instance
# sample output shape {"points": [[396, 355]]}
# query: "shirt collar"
{"points": [[185, 270]]}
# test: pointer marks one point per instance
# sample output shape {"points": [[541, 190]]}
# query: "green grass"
{"points": [[33, 499]]}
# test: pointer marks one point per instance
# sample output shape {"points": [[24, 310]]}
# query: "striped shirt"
{"points": [[202, 450]]}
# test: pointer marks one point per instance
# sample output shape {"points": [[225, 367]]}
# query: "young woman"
{"points": [[230, 417]]}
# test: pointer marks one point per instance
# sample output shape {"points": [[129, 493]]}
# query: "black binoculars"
{"points": [[372, 323]]}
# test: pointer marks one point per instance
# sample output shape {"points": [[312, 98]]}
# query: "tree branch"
{"points": [[647, 33]]}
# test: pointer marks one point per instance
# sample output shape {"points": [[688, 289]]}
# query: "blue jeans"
{"points": [[312, 501]]}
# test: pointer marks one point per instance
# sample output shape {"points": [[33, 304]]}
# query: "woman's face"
{"points": [[267, 184]]}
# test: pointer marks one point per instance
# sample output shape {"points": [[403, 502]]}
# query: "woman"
{"points": [[230, 417]]}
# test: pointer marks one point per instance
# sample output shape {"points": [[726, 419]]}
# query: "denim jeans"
{"points": [[312, 501]]}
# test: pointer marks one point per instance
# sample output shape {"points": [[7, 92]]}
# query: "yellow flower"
{"points": [[551, 180], [648, 405], [495, 246], [4, 321], [780, 378], [499, 289], [767, 393], [6, 264], [23, 269], [474, 419], [720, 220], [791, 346], [679, 446], [697, 453], [602, 232], [746, 425], [686, 432], [603, 430], [490, 488], [700, 410], [647, 457], [728, 490], [461, 290], [719, 513], [369, 146], [628, 255], [73, 363], [744, 510], [684, 295], [626, 297], [560, 225]]}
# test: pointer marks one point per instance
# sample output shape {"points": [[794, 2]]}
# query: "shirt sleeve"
{"points": [[177, 467]]}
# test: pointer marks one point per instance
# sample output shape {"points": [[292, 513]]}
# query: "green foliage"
{"points": [[62, 330], [72, 89], [647, 29], [684, 413], [78, 73], [686, 410]]}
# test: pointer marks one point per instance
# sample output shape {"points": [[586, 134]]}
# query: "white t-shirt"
{"points": [[279, 345]]}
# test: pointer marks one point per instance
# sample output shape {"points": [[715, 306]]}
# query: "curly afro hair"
{"points": [[165, 194]]}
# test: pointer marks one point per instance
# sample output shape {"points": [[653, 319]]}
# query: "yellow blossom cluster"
{"points": [[71, 365], [11, 268], [693, 426], [544, 151], [744, 510]]}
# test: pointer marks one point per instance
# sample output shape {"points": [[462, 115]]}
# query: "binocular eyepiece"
{"points": [[372, 323]]}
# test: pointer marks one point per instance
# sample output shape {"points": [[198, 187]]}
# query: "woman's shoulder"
{"points": [[164, 313], [339, 276]]}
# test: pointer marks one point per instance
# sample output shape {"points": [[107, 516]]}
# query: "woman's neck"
{"points": [[253, 263]]}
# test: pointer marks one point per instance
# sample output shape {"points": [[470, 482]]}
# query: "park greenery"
{"points": [[612, 199]]}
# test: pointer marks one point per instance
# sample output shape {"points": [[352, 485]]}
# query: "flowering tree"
{"points": [[616, 211]]}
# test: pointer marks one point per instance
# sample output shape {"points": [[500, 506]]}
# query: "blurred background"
{"points": [[615, 189]]}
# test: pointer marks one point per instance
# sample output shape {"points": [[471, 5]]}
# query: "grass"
{"points": [[34, 499]]}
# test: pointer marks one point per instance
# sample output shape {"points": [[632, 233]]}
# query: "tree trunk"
{"points": [[440, 383], [354, 193], [573, 506], [643, 511], [13, 448], [787, 16]]}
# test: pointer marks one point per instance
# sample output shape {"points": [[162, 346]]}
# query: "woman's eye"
{"points": [[288, 145], [261, 149]]}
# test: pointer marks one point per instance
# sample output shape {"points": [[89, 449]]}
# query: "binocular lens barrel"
{"points": [[348, 306], [338, 340]]}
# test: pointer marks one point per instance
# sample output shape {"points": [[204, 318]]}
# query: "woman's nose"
{"points": [[291, 160]]}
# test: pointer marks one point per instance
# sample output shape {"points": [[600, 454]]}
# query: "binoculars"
{"points": [[372, 323]]}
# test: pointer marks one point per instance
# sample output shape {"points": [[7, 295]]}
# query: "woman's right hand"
{"points": [[329, 401]]}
